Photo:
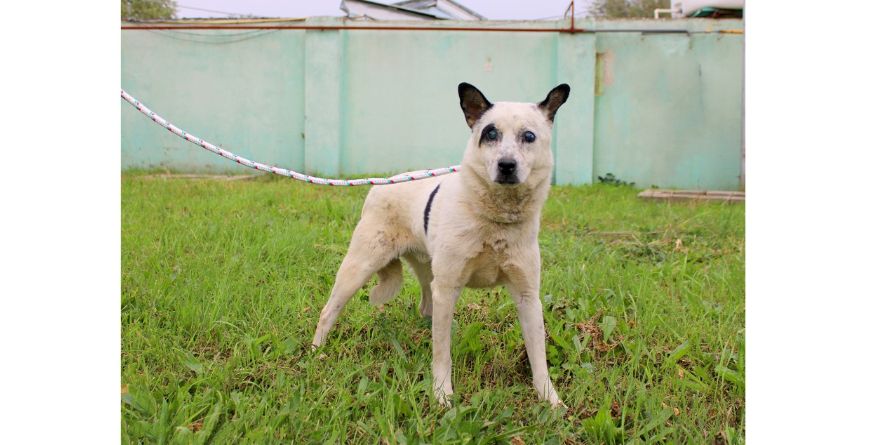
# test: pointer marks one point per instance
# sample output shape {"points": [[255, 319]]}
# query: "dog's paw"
{"points": [[559, 405], [556, 403], [444, 400]]}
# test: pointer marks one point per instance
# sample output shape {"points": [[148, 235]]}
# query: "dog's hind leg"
{"points": [[390, 279], [356, 269], [425, 276]]}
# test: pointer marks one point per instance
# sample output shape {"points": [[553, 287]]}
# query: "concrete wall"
{"points": [[650, 107]]}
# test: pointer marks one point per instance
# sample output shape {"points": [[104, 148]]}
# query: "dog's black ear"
{"points": [[555, 98], [473, 103]]}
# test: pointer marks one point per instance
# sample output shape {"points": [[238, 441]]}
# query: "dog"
{"points": [[476, 228]]}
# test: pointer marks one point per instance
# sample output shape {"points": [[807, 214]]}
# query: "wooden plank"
{"points": [[692, 195]]}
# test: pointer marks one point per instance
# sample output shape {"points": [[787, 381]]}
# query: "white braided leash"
{"points": [[402, 177]]}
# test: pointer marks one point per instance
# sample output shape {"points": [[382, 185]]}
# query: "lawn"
{"points": [[223, 282]]}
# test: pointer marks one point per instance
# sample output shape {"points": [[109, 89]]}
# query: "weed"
{"points": [[610, 179]]}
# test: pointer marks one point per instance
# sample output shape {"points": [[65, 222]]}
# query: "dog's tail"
{"points": [[390, 280]]}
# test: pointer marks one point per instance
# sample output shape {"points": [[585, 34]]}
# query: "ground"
{"points": [[223, 282]]}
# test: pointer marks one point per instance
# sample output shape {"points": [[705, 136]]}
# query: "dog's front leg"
{"points": [[444, 298], [524, 280], [532, 324]]}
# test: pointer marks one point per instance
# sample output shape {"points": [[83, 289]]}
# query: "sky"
{"points": [[491, 9]]}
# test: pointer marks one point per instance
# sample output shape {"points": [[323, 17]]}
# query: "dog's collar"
{"points": [[428, 207]]}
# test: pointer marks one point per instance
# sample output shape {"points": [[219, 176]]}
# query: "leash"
{"points": [[402, 177]]}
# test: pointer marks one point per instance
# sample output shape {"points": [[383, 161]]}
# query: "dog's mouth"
{"points": [[507, 179]]}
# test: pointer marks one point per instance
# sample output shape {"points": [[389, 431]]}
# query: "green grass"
{"points": [[223, 282]]}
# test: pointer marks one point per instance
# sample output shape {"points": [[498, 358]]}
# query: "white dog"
{"points": [[476, 228]]}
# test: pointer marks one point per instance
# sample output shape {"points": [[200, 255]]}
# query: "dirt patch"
{"points": [[592, 329], [615, 409], [196, 426], [166, 176]]}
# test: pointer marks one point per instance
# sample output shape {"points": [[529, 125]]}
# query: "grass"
{"points": [[223, 281]]}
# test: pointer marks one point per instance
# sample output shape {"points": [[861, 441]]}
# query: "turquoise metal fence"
{"points": [[653, 102]]}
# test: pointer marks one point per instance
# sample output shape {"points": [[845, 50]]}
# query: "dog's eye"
{"points": [[529, 137], [491, 134]]}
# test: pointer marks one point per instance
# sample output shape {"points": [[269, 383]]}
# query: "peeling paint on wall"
{"points": [[605, 76]]}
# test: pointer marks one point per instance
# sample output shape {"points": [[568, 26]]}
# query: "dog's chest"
{"points": [[485, 269]]}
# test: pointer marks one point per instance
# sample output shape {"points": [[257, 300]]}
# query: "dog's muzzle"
{"points": [[507, 172]]}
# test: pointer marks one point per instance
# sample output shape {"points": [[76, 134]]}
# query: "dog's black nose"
{"points": [[507, 166]]}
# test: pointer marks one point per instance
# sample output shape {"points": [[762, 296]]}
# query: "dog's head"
{"points": [[510, 141]]}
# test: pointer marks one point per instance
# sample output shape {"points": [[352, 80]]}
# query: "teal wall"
{"points": [[241, 90], [653, 108]]}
